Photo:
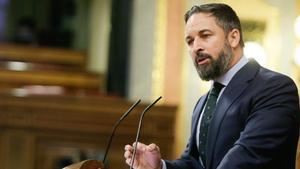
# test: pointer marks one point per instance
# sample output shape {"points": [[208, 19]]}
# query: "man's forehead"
{"points": [[200, 20], [201, 17]]}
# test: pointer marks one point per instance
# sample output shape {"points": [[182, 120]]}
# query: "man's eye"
{"points": [[190, 41], [205, 35]]}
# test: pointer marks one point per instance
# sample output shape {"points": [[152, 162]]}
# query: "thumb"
{"points": [[152, 148], [153, 156]]}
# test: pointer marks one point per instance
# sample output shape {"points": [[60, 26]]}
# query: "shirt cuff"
{"points": [[164, 166]]}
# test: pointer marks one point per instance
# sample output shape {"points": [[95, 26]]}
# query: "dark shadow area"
{"points": [[51, 23]]}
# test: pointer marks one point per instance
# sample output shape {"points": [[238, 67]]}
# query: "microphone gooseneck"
{"points": [[139, 129], [115, 127]]}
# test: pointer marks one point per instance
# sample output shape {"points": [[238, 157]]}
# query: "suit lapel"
{"points": [[197, 111], [233, 90], [195, 121]]}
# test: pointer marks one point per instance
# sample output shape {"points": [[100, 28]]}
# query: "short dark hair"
{"points": [[225, 16]]}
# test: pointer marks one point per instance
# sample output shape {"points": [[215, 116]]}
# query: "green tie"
{"points": [[206, 118]]}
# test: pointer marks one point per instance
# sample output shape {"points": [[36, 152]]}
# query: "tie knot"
{"points": [[217, 87]]}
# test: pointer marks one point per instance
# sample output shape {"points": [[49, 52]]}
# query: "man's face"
{"points": [[208, 46]]}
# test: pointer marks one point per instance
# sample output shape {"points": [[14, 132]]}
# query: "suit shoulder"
{"points": [[268, 75]]}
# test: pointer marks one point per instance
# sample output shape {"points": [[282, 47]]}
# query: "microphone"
{"points": [[95, 164], [115, 127], [139, 129]]}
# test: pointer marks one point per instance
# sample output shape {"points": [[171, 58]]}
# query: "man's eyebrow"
{"points": [[204, 31], [199, 32]]}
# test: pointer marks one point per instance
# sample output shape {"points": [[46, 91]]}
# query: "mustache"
{"points": [[201, 56]]}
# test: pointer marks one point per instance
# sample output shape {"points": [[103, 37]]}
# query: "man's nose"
{"points": [[197, 46]]}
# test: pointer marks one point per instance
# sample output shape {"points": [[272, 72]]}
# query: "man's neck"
{"points": [[237, 55], [225, 78]]}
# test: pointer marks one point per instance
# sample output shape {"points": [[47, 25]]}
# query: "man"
{"points": [[250, 117]]}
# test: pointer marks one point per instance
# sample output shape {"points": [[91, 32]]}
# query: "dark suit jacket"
{"points": [[255, 124]]}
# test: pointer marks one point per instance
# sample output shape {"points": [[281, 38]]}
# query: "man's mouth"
{"points": [[202, 60]]}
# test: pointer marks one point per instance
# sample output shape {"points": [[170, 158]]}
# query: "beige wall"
{"points": [[99, 35]]}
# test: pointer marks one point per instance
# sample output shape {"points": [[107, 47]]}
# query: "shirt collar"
{"points": [[225, 79]]}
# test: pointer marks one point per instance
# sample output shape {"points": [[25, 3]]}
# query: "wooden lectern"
{"points": [[87, 164]]}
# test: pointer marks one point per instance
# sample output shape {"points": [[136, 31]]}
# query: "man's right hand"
{"points": [[147, 156]]}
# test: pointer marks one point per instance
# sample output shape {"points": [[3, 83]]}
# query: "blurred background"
{"points": [[70, 68]]}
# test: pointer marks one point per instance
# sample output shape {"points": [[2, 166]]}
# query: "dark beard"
{"points": [[215, 68]]}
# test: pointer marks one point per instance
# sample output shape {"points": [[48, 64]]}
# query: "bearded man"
{"points": [[250, 117]]}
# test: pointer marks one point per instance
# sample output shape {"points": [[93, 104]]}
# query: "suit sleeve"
{"points": [[186, 161], [272, 124]]}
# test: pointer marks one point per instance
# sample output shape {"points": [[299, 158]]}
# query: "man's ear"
{"points": [[234, 37]]}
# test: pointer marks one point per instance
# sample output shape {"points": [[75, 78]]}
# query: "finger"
{"points": [[140, 146], [128, 161], [128, 148], [127, 154]]}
